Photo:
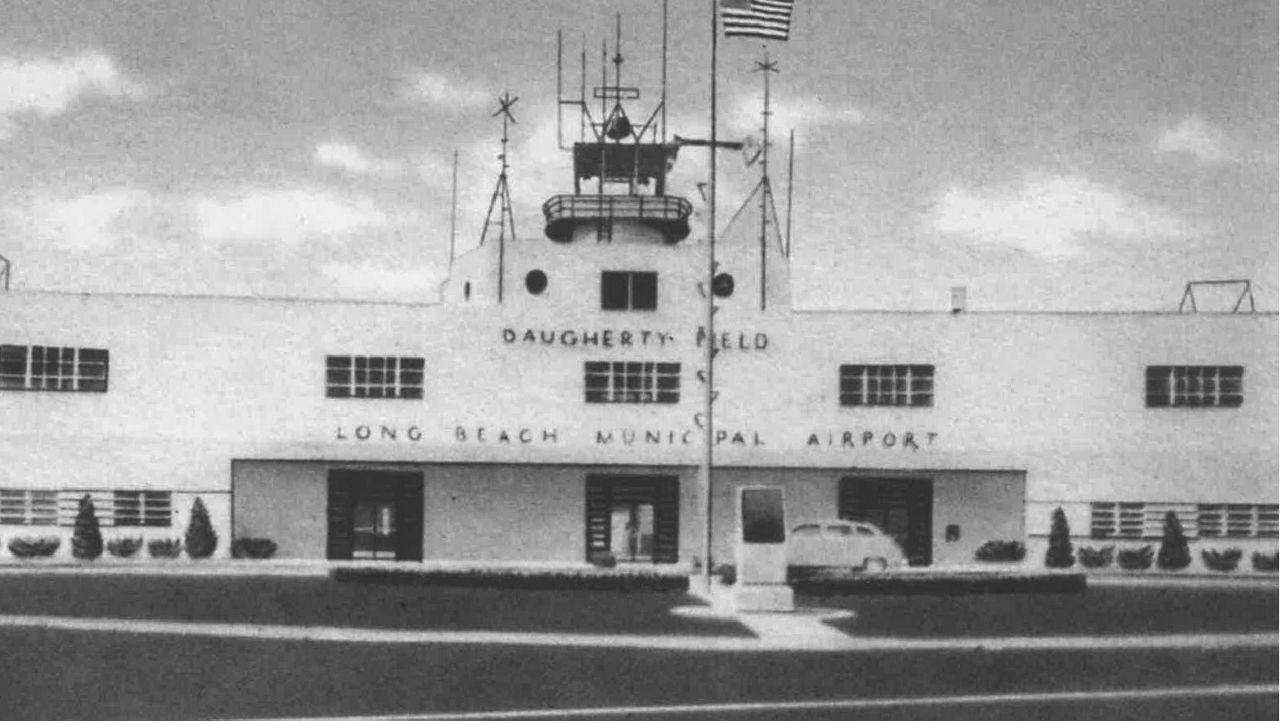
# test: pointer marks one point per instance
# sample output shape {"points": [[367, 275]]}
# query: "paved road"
{"points": [[52, 674], [112, 672]]}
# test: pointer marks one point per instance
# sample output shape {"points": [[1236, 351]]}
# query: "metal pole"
{"points": [[709, 434], [664, 71], [453, 213], [764, 182], [791, 170]]}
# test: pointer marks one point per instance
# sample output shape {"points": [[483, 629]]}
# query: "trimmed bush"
{"points": [[1266, 562], [124, 547], [1001, 551], [164, 547], [586, 579], [1135, 559], [86, 541], [1222, 560], [1174, 554], [727, 572], [253, 548], [201, 539], [1059, 554], [31, 547], [1097, 557], [942, 583], [603, 559]]}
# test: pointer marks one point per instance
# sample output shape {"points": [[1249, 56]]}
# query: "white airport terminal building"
{"points": [[551, 407]]}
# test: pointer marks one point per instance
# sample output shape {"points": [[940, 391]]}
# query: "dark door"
{"points": [[901, 507], [636, 519], [375, 515]]}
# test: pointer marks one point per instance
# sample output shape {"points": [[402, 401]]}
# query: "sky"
{"points": [[1048, 155]]}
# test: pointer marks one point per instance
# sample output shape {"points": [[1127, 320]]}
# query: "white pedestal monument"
{"points": [[762, 552]]}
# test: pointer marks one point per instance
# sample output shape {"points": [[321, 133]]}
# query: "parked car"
{"points": [[842, 544]]}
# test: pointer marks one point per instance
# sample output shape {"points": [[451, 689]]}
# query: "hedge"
{"points": [[941, 583], [32, 547], [588, 579], [253, 548]]}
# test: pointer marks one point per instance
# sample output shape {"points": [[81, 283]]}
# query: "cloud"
{"points": [[436, 89], [1051, 215], [48, 86], [1196, 137], [790, 114], [287, 215], [91, 222], [368, 279], [355, 161]]}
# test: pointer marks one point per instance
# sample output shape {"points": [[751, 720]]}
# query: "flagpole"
{"points": [[709, 398]]}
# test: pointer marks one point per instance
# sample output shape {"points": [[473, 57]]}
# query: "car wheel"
{"points": [[874, 565]]}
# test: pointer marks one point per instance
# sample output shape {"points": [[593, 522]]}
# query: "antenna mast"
{"points": [[501, 192], [766, 67]]}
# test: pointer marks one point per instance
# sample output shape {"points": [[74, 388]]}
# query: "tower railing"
{"points": [[668, 214]]}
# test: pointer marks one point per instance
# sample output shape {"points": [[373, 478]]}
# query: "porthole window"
{"points": [[722, 285], [535, 281]]}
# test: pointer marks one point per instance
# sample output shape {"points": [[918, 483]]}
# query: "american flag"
{"points": [[769, 19]]}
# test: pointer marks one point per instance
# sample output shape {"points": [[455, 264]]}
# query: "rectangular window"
{"points": [[118, 508], [628, 290], [1138, 520], [373, 377], [631, 382], [1195, 386], [1238, 520], [886, 385], [28, 508], [53, 368], [1204, 520], [143, 508]]}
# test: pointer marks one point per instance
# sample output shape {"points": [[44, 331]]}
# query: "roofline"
{"points": [[804, 311], [224, 296]]}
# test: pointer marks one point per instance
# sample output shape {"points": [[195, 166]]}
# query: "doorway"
{"points": [[901, 507], [375, 515], [633, 518]]}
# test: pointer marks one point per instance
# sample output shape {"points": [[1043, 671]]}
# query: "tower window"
{"points": [[631, 382], [628, 290], [1195, 386]]}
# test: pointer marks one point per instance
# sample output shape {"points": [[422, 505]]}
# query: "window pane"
{"points": [[613, 290], [644, 291]]}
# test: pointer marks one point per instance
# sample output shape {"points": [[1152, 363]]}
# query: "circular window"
{"points": [[722, 285], [535, 281]]}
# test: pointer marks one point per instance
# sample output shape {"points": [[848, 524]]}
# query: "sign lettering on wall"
{"points": [[632, 338], [905, 440]]}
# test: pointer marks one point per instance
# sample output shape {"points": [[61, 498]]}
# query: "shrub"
{"points": [[164, 547], [603, 559], [727, 572], [1221, 560], [1173, 554], [86, 541], [124, 547], [1097, 557], [1135, 559], [253, 548], [1001, 551], [1265, 562], [1059, 554], [943, 582], [201, 540], [29, 547], [585, 579]]}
